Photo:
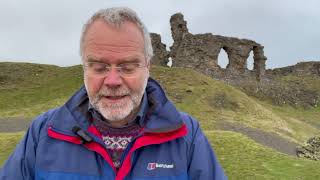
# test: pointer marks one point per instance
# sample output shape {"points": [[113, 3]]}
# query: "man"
{"points": [[120, 125]]}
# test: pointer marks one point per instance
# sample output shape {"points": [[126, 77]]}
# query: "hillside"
{"points": [[252, 138]]}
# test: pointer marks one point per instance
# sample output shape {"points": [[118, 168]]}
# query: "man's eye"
{"points": [[128, 68], [97, 67]]}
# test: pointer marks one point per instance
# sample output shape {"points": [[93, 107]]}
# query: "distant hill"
{"points": [[253, 138]]}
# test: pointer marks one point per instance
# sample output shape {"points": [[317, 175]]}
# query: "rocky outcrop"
{"points": [[296, 93], [301, 68], [311, 149]]}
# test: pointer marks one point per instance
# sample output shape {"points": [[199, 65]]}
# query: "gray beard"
{"points": [[122, 111], [118, 111]]}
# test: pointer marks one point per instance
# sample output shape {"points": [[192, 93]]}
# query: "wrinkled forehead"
{"points": [[100, 28], [104, 41]]}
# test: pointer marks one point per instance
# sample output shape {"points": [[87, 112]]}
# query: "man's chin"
{"points": [[115, 111], [115, 116]]}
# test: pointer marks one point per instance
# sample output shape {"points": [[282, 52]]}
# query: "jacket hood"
{"points": [[162, 116]]}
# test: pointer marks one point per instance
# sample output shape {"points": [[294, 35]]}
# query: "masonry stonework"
{"points": [[159, 50], [201, 51]]}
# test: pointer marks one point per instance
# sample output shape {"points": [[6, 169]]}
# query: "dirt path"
{"points": [[271, 140], [13, 124]]}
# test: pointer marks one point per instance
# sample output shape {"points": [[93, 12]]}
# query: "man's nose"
{"points": [[113, 79]]}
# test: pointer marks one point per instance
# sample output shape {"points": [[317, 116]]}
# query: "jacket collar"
{"points": [[162, 115]]}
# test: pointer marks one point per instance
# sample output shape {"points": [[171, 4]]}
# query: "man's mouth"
{"points": [[114, 98]]}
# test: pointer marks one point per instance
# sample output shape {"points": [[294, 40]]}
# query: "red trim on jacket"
{"points": [[93, 146], [148, 139], [95, 131], [56, 135]]}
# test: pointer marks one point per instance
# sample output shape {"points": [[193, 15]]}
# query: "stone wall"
{"points": [[301, 68], [159, 50], [201, 51]]}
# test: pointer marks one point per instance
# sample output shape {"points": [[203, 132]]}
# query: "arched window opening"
{"points": [[250, 61], [223, 59]]}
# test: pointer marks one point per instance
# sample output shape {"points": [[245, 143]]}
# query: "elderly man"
{"points": [[120, 125]]}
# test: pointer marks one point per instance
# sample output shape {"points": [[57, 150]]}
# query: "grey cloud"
{"points": [[48, 31]]}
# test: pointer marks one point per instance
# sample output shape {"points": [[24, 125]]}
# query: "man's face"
{"points": [[115, 96]]}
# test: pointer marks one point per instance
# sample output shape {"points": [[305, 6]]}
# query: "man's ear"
{"points": [[149, 64]]}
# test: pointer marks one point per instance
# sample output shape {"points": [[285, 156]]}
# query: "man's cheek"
{"points": [[94, 85]]}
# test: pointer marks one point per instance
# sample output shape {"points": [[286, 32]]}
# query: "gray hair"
{"points": [[117, 16]]}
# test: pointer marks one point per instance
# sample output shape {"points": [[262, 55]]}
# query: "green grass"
{"points": [[197, 94], [309, 82], [32, 88], [242, 158], [8, 142], [304, 123]]}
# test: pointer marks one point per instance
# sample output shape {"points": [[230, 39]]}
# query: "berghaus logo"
{"points": [[153, 166]]}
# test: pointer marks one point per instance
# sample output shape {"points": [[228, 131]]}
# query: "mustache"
{"points": [[113, 92]]}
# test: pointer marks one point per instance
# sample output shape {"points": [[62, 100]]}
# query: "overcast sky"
{"points": [[48, 32]]}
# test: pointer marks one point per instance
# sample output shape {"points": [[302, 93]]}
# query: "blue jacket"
{"points": [[171, 147]]}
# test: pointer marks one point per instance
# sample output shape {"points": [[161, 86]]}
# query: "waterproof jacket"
{"points": [[172, 146]]}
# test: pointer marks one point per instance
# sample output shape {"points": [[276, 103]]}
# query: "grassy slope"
{"points": [[300, 120], [8, 142], [238, 107], [309, 83], [242, 158], [33, 88]]}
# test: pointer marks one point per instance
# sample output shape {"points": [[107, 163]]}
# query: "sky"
{"points": [[48, 32]]}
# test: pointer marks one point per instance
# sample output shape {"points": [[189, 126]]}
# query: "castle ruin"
{"points": [[201, 51]]}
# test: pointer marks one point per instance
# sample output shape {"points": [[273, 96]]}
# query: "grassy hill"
{"points": [[27, 90]]}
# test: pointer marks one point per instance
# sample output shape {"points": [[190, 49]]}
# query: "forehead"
{"points": [[105, 41]]}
